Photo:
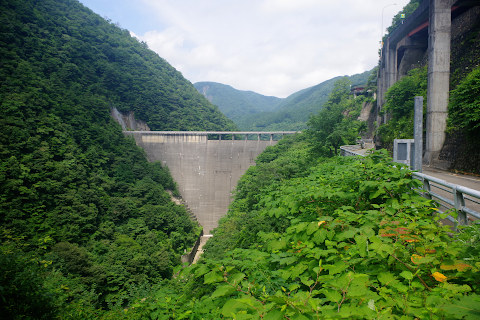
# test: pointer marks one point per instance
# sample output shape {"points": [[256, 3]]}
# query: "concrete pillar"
{"points": [[418, 134], [391, 64], [389, 72], [438, 77], [379, 94], [381, 86]]}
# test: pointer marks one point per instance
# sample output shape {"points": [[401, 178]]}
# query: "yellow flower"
{"points": [[439, 277], [321, 222]]}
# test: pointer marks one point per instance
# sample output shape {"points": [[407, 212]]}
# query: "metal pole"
{"points": [[418, 133], [383, 31]]}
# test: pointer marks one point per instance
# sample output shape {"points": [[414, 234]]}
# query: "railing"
{"points": [[221, 135], [349, 151], [464, 199]]}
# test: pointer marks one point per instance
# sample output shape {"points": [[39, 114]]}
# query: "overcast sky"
{"points": [[273, 47]]}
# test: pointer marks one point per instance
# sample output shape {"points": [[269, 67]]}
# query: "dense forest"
{"points": [[88, 229], [69, 46], [252, 111], [85, 221], [310, 236], [234, 103]]}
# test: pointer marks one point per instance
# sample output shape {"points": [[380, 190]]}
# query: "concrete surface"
{"points": [[206, 171], [203, 241], [439, 34], [469, 181]]}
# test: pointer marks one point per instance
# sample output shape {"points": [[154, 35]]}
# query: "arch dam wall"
{"points": [[205, 167]]}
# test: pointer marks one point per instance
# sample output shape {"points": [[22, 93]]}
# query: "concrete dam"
{"points": [[205, 165]]}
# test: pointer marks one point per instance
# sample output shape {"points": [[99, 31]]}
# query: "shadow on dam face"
{"points": [[206, 171]]}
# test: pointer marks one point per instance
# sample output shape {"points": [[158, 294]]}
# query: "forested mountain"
{"points": [[289, 113], [67, 43], [295, 110], [85, 221], [234, 103], [88, 230], [310, 236]]}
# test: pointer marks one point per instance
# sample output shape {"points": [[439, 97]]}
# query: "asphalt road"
{"points": [[469, 181]]}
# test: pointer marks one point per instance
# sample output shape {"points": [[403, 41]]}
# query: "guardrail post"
{"points": [[426, 187], [459, 202]]}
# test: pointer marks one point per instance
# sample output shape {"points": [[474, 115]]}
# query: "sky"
{"points": [[272, 47]]}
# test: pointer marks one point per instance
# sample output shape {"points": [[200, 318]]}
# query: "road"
{"points": [[469, 181]]}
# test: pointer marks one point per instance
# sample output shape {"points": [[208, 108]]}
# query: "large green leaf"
{"points": [[213, 277], [223, 290]]}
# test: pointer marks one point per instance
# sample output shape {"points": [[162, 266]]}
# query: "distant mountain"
{"points": [[234, 103], [253, 111]]}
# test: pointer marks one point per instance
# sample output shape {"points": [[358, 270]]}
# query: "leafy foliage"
{"points": [[22, 290], [86, 222], [464, 107], [399, 106], [336, 124], [316, 238], [357, 243]]}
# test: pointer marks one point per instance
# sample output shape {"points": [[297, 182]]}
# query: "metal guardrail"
{"points": [[217, 135], [463, 198], [205, 133]]}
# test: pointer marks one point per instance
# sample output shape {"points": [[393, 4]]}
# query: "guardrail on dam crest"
{"points": [[205, 165]]}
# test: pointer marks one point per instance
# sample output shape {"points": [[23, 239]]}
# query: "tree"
{"points": [[336, 123]]}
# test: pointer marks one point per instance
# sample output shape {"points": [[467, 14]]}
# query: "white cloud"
{"points": [[274, 47]]}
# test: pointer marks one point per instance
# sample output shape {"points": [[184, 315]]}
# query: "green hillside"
{"points": [[85, 220], [252, 111], [234, 103], [69, 46], [295, 110], [310, 236], [88, 229]]}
